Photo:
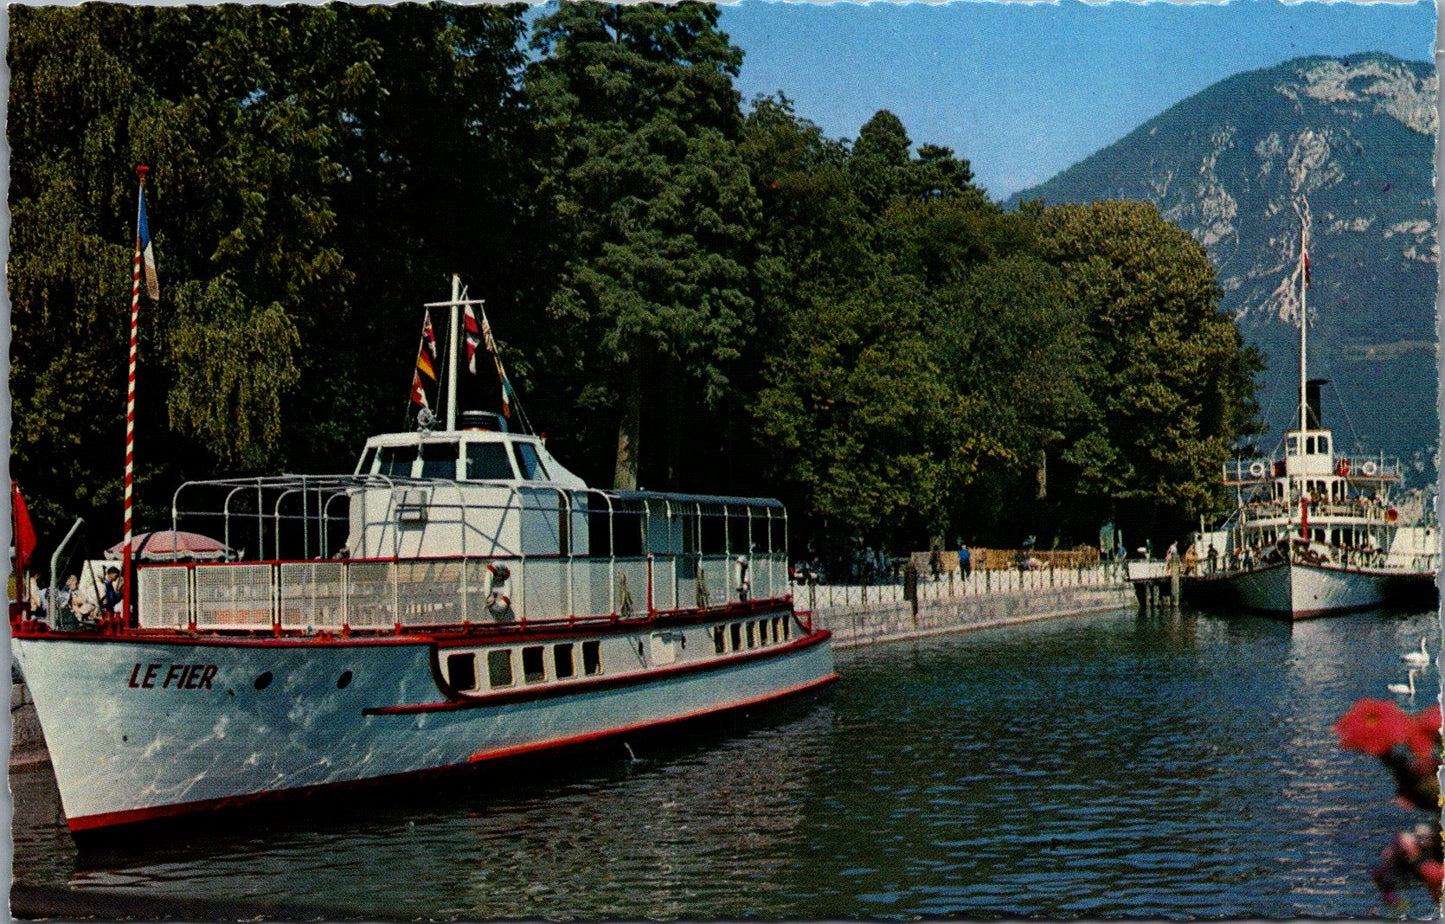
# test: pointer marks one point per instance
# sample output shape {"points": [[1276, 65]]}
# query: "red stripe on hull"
{"points": [[157, 813]]}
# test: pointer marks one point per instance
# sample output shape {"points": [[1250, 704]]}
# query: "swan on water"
{"points": [[1419, 658], [1404, 687]]}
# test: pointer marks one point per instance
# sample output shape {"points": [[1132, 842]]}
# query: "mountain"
{"points": [[1355, 138]]}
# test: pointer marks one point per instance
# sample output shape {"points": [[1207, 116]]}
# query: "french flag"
{"points": [[148, 254]]}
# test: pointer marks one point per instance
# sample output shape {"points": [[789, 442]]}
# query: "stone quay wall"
{"points": [[866, 616]]}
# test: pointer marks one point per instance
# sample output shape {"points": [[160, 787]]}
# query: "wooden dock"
{"points": [[1156, 583]]}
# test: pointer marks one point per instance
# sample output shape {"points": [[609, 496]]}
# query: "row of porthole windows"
{"points": [[755, 633], [539, 663], [537, 667]]}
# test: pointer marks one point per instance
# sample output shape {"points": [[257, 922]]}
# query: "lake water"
{"points": [[1115, 764]]}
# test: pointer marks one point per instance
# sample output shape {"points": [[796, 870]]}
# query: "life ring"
{"points": [[1369, 468], [1256, 469]]}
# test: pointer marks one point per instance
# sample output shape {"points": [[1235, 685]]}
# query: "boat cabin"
{"points": [[455, 528]]}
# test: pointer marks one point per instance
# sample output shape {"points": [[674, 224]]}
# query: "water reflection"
{"points": [[1148, 765]]}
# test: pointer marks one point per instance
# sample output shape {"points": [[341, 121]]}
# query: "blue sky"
{"points": [[1024, 90]]}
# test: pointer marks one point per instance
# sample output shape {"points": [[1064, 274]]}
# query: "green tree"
{"points": [[656, 206], [265, 128], [1175, 385], [854, 411], [1014, 351]]}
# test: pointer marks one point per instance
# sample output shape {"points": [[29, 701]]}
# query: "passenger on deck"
{"points": [[113, 593], [82, 601], [35, 596]]}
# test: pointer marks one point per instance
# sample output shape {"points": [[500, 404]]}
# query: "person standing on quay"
{"points": [[965, 561], [910, 585]]}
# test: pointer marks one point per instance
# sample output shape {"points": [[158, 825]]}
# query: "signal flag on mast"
{"points": [[426, 358], [474, 338]]}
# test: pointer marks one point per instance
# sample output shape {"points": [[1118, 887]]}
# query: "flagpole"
{"points": [[1303, 315], [142, 169], [453, 329]]}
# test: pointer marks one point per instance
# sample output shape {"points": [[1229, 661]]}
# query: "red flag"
{"points": [[418, 394], [24, 531], [474, 338], [1307, 270]]}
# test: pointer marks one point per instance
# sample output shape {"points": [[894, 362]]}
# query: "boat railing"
{"points": [[1367, 509], [1361, 467], [1247, 471], [375, 551], [342, 596]]}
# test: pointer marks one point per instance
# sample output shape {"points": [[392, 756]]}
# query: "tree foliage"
{"points": [[705, 297], [654, 201]]}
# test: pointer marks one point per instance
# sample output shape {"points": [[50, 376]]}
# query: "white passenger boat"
{"points": [[1316, 531], [459, 598]]}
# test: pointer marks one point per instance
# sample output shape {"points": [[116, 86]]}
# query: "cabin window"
{"points": [[529, 463], [778, 531], [396, 461], [368, 459], [591, 658], [439, 460], [1309, 445], [719, 639], [1291, 446], [462, 671], [738, 532], [626, 533], [534, 665], [737, 636], [499, 668], [752, 636], [1325, 445], [488, 461], [562, 664], [714, 535]]}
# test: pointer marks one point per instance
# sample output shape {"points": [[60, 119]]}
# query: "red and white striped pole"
{"points": [[126, 570], [130, 382]]}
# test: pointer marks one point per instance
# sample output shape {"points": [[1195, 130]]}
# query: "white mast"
{"points": [[1303, 313], [453, 335]]}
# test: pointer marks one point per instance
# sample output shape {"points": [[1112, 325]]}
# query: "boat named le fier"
{"points": [[1316, 531], [460, 597]]}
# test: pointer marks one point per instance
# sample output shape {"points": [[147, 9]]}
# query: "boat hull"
{"points": [[156, 729], [1299, 590]]}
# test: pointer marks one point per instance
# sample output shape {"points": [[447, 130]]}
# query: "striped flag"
{"points": [[426, 356], [426, 363], [148, 254], [474, 338]]}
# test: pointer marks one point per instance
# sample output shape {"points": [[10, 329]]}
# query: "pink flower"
{"points": [[1373, 726]]}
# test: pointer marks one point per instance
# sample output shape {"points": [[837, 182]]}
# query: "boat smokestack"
{"points": [[1312, 401]]}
